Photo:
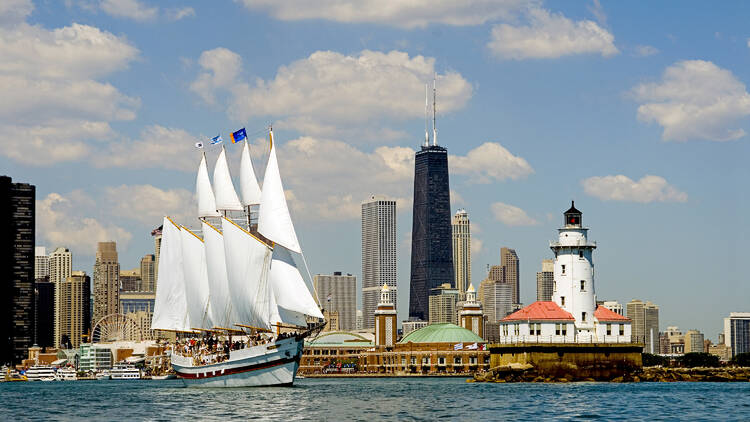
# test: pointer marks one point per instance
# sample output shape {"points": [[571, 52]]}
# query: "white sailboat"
{"points": [[236, 281]]}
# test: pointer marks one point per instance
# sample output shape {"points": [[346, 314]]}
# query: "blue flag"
{"points": [[216, 140], [238, 136]]}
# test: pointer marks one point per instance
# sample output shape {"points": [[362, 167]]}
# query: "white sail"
{"points": [[249, 188], [289, 287], [248, 260], [206, 200], [226, 196], [274, 221], [218, 284], [196, 280], [170, 307]]}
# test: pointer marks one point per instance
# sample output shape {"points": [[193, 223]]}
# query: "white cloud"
{"points": [[645, 50], [476, 245], [331, 94], [158, 147], [14, 11], [748, 42], [63, 220], [399, 13], [695, 100], [52, 102], [511, 215], [622, 188], [148, 204], [490, 162], [178, 14], [597, 10], [548, 36], [130, 9]]}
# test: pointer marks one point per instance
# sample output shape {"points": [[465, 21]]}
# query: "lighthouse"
{"points": [[573, 288]]}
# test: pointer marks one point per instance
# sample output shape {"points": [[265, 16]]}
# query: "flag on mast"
{"points": [[216, 140], [238, 136]]}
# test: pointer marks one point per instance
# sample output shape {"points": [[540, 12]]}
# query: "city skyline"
{"points": [[514, 119]]}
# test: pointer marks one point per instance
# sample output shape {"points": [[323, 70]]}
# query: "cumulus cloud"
{"points": [[157, 147], [695, 100], [476, 245], [53, 100], [147, 204], [179, 14], [549, 35], [645, 51], [622, 188], [511, 215], [130, 9], [490, 162], [14, 11], [399, 13], [327, 91], [63, 220]]}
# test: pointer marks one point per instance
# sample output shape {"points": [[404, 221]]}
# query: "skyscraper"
{"points": [[645, 324], [41, 262], [511, 273], [338, 293], [156, 233], [545, 280], [17, 211], [148, 273], [60, 264], [431, 243], [72, 318], [737, 332], [443, 304], [44, 309], [378, 254], [498, 300], [461, 251], [106, 281]]}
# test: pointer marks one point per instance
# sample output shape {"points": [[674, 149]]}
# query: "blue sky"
{"points": [[638, 111]]}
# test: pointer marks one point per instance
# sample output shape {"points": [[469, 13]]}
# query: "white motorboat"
{"points": [[103, 375], [41, 373], [66, 374], [123, 371]]}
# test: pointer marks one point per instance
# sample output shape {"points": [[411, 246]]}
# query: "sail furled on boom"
{"points": [[274, 221], [170, 306], [290, 291], [218, 284], [226, 196], [248, 262], [249, 188], [206, 199], [196, 279]]}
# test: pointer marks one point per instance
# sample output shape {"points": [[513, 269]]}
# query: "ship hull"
{"points": [[265, 365]]}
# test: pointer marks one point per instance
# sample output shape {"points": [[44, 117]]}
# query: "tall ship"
{"points": [[232, 289]]}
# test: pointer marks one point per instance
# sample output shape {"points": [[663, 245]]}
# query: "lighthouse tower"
{"points": [[385, 320], [574, 273]]}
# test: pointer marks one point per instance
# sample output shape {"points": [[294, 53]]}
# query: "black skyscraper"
{"points": [[16, 269], [431, 244], [45, 312]]}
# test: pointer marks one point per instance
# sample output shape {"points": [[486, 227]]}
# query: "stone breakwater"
{"points": [[527, 373]]}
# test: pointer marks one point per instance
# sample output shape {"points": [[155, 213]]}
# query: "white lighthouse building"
{"points": [[572, 316]]}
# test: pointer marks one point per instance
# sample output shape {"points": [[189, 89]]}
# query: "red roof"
{"points": [[603, 314], [540, 311]]}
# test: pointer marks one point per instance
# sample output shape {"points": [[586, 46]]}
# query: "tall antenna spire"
{"points": [[426, 110], [434, 109]]}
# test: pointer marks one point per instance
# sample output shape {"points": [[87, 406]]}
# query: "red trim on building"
{"points": [[540, 311], [603, 314]]}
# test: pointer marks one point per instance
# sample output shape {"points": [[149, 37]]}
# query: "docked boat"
{"points": [[40, 373], [125, 372], [237, 280], [12, 375], [102, 375], [163, 377], [66, 374]]}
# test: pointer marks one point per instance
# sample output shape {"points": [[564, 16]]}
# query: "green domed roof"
{"points": [[442, 333], [341, 338]]}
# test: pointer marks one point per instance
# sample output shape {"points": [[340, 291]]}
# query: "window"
{"points": [[517, 329], [583, 285], [457, 360], [473, 360], [413, 360], [609, 329], [441, 360], [622, 329], [505, 329], [535, 329], [557, 329], [583, 316], [580, 254], [563, 268], [562, 300], [564, 329]]}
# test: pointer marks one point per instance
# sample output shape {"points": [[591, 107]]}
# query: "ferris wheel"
{"points": [[116, 327]]}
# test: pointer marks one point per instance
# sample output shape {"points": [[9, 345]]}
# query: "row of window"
{"points": [[560, 329]]}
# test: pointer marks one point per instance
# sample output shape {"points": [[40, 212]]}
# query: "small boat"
{"points": [[102, 375], [164, 377], [124, 371], [13, 375], [41, 373], [66, 374]]}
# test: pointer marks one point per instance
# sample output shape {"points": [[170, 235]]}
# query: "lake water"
{"points": [[374, 399]]}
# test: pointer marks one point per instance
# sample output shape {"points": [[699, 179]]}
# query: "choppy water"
{"points": [[374, 399]]}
